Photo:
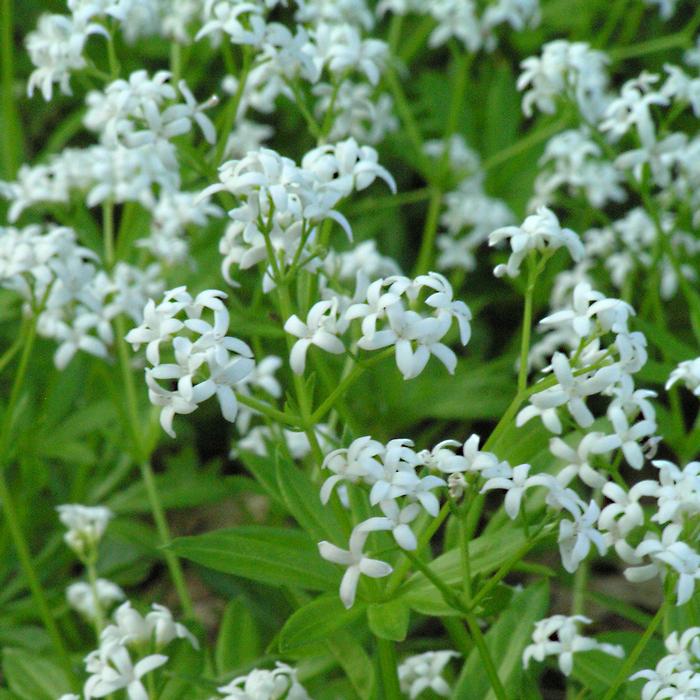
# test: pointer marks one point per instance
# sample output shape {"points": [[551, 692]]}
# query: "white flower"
{"points": [[567, 643], [539, 231], [443, 302], [579, 459], [564, 70], [56, 49], [422, 671], [576, 537], [159, 323], [625, 512], [687, 372], [116, 671], [677, 491], [207, 362], [515, 484], [572, 390], [81, 598], [629, 436], [397, 521], [686, 562], [357, 462], [319, 329], [164, 629], [445, 460], [633, 108], [86, 525], [340, 47], [355, 561], [261, 684]]}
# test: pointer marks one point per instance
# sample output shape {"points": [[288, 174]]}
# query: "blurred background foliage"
{"points": [[67, 442]]}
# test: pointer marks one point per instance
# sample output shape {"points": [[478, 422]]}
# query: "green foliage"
{"points": [[238, 642], [277, 556], [32, 677], [506, 640]]}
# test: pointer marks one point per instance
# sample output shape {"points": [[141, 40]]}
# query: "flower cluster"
{"points": [[62, 283], [539, 232], [677, 675], [422, 671], [459, 19], [88, 602], [86, 526], [263, 684], [401, 486], [111, 667], [687, 372], [470, 214], [282, 203], [206, 360], [566, 71], [387, 319], [568, 641]]}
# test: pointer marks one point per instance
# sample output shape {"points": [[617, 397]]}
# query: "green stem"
{"points": [[466, 560], [406, 114], [388, 668], [527, 325], [300, 102], [453, 600], [615, 14], [346, 383], [412, 45], [231, 113], [505, 569], [394, 36], [114, 66], [396, 578], [108, 232], [175, 62], [486, 659], [450, 596], [99, 620], [141, 453], [429, 232], [9, 354], [369, 204], [171, 559], [525, 143], [304, 401], [460, 639], [682, 39], [12, 137], [266, 410], [624, 673], [10, 510]]}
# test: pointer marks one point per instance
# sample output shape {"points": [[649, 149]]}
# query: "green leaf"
{"points": [[238, 642], [502, 114], [277, 556], [506, 640], [33, 677], [317, 620], [596, 670], [303, 502], [353, 659], [389, 620], [263, 469], [486, 553], [185, 666], [28, 636], [477, 390], [669, 345], [195, 490]]}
